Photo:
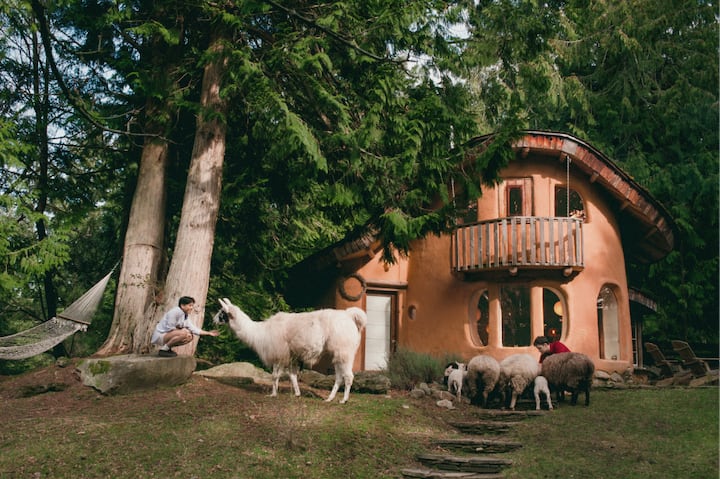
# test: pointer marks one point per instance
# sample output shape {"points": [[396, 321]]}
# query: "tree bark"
{"points": [[189, 273], [138, 289]]}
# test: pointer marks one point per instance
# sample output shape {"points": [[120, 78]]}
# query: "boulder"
{"points": [[134, 372], [236, 370]]}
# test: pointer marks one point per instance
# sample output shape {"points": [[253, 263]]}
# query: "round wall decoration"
{"points": [[343, 291]]}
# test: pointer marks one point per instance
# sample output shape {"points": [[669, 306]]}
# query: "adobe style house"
{"points": [[542, 253]]}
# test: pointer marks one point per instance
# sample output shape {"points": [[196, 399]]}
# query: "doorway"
{"points": [[379, 332]]}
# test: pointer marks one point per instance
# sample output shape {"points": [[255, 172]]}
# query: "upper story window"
{"points": [[515, 200], [518, 197], [568, 203]]}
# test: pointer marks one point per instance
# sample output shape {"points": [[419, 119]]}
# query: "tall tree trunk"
{"points": [[142, 254], [189, 273]]}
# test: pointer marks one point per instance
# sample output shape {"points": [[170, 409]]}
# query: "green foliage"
{"points": [[344, 117]]}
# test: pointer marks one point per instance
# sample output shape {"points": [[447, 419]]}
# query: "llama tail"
{"points": [[358, 316]]}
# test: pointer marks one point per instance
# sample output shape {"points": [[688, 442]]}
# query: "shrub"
{"points": [[407, 368]]}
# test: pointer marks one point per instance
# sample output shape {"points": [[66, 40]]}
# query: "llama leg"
{"points": [[294, 381], [348, 377], [277, 370], [335, 387]]}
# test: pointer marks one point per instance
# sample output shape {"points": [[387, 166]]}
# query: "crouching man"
{"points": [[174, 329]]}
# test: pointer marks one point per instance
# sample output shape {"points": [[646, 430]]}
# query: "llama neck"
{"points": [[246, 329]]}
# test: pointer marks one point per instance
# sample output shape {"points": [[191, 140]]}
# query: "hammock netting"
{"points": [[47, 335]]}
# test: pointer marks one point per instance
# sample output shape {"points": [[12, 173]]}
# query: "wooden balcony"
{"points": [[528, 246]]}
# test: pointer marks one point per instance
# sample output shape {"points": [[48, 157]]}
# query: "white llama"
{"points": [[284, 340]]}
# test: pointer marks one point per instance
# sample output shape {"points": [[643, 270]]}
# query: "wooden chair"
{"points": [[667, 368], [689, 360]]}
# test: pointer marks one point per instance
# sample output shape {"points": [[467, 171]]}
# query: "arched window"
{"points": [[480, 317], [576, 205], [515, 306], [553, 314], [608, 324]]}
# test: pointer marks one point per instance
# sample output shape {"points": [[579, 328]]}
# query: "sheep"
{"points": [[518, 372], [483, 373], [569, 372], [541, 387], [285, 340], [456, 379], [449, 368]]}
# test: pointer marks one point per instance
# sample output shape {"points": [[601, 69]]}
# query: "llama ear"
{"points": [[224, 303]]}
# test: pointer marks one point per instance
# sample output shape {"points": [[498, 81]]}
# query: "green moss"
{"points": [[99, 367]]}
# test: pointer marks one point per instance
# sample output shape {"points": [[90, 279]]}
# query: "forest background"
{"points": [[213, 146]]}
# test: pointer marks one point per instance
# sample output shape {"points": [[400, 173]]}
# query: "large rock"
{"points": [[129, 373], [245, 373], [237, 374]]}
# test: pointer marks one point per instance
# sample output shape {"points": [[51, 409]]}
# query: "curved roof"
{"points": [[646, 226]]}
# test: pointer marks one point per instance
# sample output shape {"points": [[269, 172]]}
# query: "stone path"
{"points": [[470, 456]]}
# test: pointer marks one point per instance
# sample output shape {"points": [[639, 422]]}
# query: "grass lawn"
{"points": [[205, 430]]}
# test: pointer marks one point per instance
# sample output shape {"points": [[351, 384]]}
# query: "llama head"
{"points": [[223, 316]]}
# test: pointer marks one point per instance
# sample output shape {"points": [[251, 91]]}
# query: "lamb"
{"points": [[456, 377], [483, 372], [541, 387], [285, 340], [449, 368], [518, 372], [569, 372]]}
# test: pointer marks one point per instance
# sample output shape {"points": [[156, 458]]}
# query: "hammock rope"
{"points": [[52, 332]]}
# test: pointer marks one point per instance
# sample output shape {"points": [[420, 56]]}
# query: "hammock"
{"points": [[42, 337]]}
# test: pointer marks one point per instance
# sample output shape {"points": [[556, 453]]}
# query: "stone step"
{"points": [[476, 464], [473, 445], [506, 415], [435, 474], [483, 427]]}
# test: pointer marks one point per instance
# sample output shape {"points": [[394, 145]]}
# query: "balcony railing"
{"points": [[517, 243]]}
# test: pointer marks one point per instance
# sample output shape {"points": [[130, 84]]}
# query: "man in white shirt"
{"points": [[174, 329]]}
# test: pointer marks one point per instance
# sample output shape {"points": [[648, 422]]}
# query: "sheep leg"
{"points": [[549, 400], [513, 400], [537, 400]]}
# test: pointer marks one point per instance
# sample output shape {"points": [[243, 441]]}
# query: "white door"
{"points": [[377, 331]]}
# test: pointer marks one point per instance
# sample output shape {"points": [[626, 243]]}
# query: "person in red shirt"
{"points": [[546, 347]]}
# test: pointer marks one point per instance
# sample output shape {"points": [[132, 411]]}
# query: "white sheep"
{"points": [[448, 369], [569, 372], [285, 340], [483, 372], [518, 372], [541, 387], [456, 377]]}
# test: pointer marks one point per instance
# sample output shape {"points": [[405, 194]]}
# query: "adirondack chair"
{"points": [[667, 368], [689, 360]]}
